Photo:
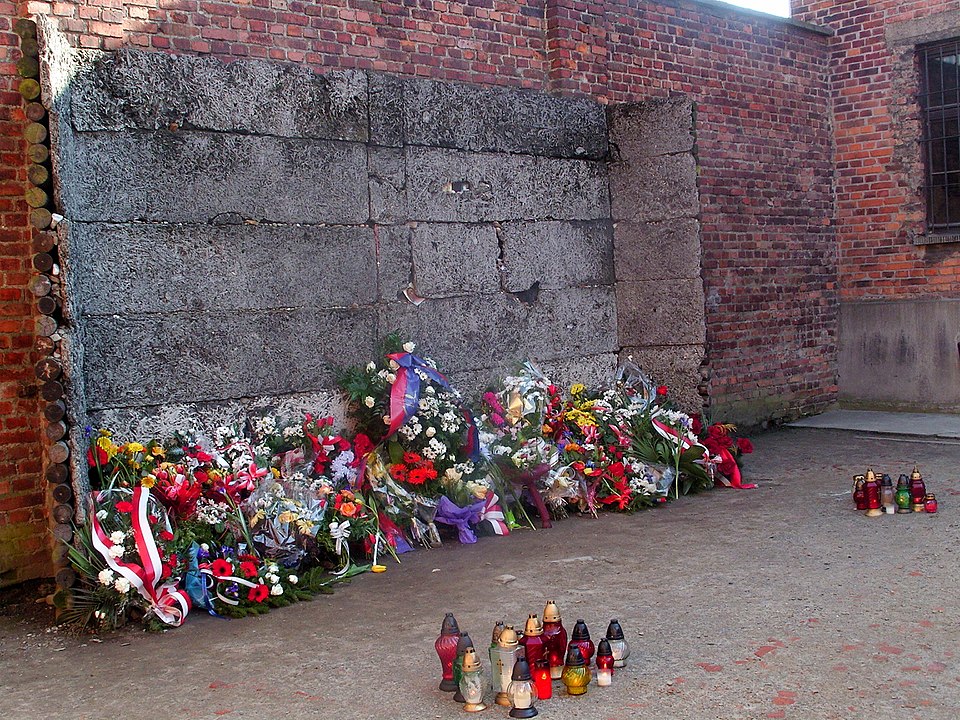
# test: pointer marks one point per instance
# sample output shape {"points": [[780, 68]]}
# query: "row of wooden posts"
{"points": [[46, 286]]}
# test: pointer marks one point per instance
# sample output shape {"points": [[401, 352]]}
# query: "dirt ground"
{"points": [[779, 602]]}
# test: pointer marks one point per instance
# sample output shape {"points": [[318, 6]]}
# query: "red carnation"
{"points": [[166, 535], [125, 506], [662, 390], [616, 470], [102, 458], [258, 593], [745, 446], [221, 568], [248, 569]]}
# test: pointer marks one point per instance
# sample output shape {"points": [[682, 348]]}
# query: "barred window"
{"points": [[940, 105]]}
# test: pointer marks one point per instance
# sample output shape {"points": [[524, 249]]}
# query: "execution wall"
{"points": [[700, 240]]}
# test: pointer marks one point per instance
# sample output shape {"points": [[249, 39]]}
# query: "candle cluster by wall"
{"points": [[524, 665], [876, 495]]}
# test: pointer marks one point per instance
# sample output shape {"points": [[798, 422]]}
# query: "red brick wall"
{"points": [[24, 535], [879, 169]]}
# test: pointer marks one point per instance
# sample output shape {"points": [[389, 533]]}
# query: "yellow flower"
{"points": [[134, 447], [287, 516], [275, 472], [260, 515], [577, 389], [158, 451], [214, 474], [148, 481], [581, 418], [105, 444]]}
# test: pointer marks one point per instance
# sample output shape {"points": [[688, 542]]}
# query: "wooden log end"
{"points": [[40, 218], [40, 285], [48, 369], [29, 89], [63, 513], [36, 197], [65, 578], [55, 411], [63, 532], [38, 153], [35, 112], [35, 132], [58, 452], [62, 493], [57, 474]]}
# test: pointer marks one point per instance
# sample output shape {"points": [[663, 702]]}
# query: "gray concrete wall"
{"points": [[235, 231], [900, 355], [656, 208]]}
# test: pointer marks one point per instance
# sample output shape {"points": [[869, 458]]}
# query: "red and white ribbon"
{"points": [[166, 601], [494, 513]]}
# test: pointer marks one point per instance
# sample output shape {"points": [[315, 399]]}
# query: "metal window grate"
{"points": [[940, 105]]}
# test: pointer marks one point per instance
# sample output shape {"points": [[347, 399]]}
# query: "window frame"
{"points": [[944, 228]]}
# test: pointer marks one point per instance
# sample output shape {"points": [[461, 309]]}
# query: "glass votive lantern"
{"points": [[555, 638], [618, 643], [462, 644], [902, 496], [581, 638], [446, 647], [930, 503], [522, 690], [605, 663], [471, 682], [506, 658], [576, 673]]}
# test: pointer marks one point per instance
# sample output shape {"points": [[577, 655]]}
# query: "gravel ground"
{"points": [[779, 602]]}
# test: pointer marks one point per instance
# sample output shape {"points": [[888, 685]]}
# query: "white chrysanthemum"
{"points": [[117, 536], [371, 366], [106, 576], [116, 551], [409, 347], [101, 514], [122, 585], [293, 579], [369, 401], [430, 432], [391, 378]]}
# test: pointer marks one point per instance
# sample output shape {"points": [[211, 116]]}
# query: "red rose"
{"points": [[616, 470], [258, 593], [248, 569], [166, 535], [221, 568], [361, 446], [696, 424], [662, 390], [165, 572], [125, 506], [745, 446]]}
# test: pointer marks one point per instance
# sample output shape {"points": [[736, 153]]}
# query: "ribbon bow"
{"points": [[165, 600], [493, 513], [340, 531], [449, 513]]}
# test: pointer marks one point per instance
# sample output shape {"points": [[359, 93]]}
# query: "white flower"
{"points": [[409, 347], [116, 551], [391, 378], [122, 585], [105, 577], [431, 432], [371, 366], [394, 365], [293, 579], [116, 537], [369, 401], [271, 578], [101, 514], [386, 419], [273, 567], [276, 590], [205, 547]]}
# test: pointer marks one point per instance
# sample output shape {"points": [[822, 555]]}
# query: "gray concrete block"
{"points": [[494, 331], [900, 355], [556, 254], [454, 259], [162, 421], [665, 250], [387, 177], [136, 268], [134, 90], [652, 189], [217, 356], [455, 186], [653, 127], [495, 119], [591, 370], [677, 367], [394, 260], [194, 177], [386, 94], [656, 312]]}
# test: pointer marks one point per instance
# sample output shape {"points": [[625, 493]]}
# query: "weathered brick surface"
{"points": [[879, 168], [24, 537]]}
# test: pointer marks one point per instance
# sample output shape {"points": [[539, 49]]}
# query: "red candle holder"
{"points": [[542, 680], [446, 647]]}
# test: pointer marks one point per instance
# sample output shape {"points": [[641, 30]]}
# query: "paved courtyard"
{"points": [[780, 602]]}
